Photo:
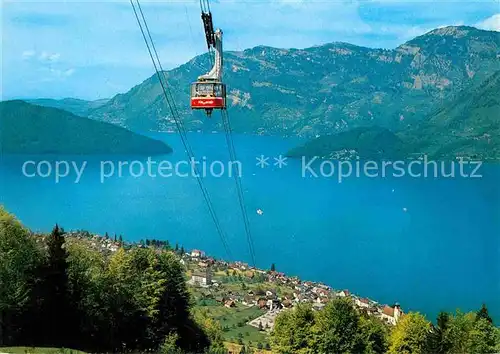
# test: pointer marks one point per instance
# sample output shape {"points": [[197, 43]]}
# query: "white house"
{"points": [[362, 302], [391, 314], [344, 293], [203, 278], [197, 254]]}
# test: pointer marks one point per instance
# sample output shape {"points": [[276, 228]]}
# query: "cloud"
{"points": [[49, 57], [27, 54], [491, 23], [89, 44]]}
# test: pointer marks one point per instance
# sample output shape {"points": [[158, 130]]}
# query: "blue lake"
{"points": [[430, 244]]}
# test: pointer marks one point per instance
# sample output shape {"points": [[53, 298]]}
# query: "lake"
{"points": [[430, 244]]}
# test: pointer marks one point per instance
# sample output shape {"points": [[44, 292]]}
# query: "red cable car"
{"points": [[208, 95], [209, 92]]}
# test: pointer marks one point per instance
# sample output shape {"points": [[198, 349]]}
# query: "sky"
{"points": [[94, 49]]}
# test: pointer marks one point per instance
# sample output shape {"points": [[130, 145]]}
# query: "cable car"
{"points": [[209, 92], [208, 95]]}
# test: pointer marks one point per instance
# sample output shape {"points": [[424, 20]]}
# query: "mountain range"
{"points": [[467, 126], [330, 89], [323, 89]]}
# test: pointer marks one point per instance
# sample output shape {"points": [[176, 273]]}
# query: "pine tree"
{"points": [[273, 267], [483, 313], [57, 310]]}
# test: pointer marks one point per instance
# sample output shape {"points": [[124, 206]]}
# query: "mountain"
{"points": [[29, 129], [73, 105], [323, 89], [466, 126], [365, 142]]}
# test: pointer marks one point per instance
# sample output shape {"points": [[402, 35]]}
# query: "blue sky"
{"points": [[94, 49]]}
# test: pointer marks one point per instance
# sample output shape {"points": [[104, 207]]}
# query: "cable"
{"points": [[178, 122], [232, 154], [192, 38]]}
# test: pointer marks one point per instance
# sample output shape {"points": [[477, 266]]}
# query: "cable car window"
{"points": [[205, 89]]}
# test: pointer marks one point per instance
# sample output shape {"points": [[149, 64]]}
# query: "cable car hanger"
{"points": [[209, 92]]}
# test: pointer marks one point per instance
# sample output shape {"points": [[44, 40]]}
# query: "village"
{"points": [[270, 291], [245, 299]]}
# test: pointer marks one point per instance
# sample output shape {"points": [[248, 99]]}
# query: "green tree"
{"points": [[483, 313], [19, 258], [410, 334], [374, 335], [458, 333], [338, 328], [273, 267], [169, 345], [292, 332], [483, 337], [58, 306], [439, 341]]}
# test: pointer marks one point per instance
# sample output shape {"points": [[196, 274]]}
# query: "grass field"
{"points": [[233, 321]]}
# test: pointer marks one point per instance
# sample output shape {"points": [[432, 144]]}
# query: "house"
{"points": [[248, 301], [202, 278], [270, 293], [262, 303], [344, 293], [391, 314], [362, 302], [230, 303], [322, 292], [197, 254]]}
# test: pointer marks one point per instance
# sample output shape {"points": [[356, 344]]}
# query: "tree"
{"points": [[483, 313], [338, 328], [483, 337], [459, 328], [120, 239], [19, 258], [292, 331], [410, 334], [58, 312], [439, 341], [374, 334], [273, 267]]}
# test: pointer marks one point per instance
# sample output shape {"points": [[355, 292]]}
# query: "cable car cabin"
{"points": [[208, 96]]}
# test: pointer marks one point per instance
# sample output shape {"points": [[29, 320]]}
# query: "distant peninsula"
{"points": [[30, 129]]}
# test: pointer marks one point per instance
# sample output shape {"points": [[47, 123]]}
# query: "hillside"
{"points": [[467, 125], [74, 105], [29, 129], [323, 89], [366, 142]]}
